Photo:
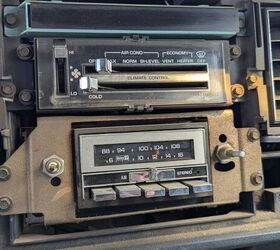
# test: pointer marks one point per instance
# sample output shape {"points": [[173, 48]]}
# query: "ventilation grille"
{"points": [[273, 44]]}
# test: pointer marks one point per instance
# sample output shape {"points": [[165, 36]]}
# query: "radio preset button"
{"points": [[139, 176], [128, 191], [152, 190], [165, 174], [103, 194], [199, 186], [175, 188]]}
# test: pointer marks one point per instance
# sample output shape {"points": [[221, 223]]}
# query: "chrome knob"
{"points": [[225, 152], [103, 66]]}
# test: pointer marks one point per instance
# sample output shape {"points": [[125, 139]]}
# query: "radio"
{"points": [[153, 166], [128, 74], [115, 166]]}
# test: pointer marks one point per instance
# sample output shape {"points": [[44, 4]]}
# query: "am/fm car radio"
{"points": [[152, 165], [128, 74]]}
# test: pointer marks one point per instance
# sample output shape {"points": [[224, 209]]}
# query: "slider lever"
{"points": [[88, 83], [103, 66]]}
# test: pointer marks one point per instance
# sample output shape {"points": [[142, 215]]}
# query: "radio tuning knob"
{"points": [[225, 152], [103, 66]]}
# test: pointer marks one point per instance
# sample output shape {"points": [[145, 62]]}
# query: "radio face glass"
{"points": [[115, 151], [143, 152]]}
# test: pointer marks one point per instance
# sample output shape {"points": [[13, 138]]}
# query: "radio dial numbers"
{"points": [[129, 153]]}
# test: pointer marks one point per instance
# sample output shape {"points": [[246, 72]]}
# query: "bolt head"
{"points": [[7, 89], [11, 20], [237, 90], [53, 166], [5, 173], [253, 78], [26, 96], [235, 51], [24, 51], [257, 179], [5, 204], [253, 134]]}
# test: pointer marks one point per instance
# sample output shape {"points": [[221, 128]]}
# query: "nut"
{"points": [[253, 134], [11, 20], [5, 173], [237, 90], [225, 152], [26, 97], [24, 51], [5, 203], [7, 89], [53, 166], [235, 51], [253, 78], [257, 179]]}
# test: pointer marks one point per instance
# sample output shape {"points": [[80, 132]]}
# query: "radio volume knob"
{"points": [[225, 152]]}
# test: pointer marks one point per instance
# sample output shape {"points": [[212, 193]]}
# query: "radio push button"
{"points": [[128, 191], [175, 188], [166, 174], [140, 176], [199, 186], [152, 190], [103, 194]]}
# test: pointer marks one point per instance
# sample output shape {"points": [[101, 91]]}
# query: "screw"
{"points": [[253, 78], [26, 96], [11, 20], [7, 89], [5, 203], [253, 81], [24, 52], [5, 173], [256, 179], [237, 90], [253, 134], [235, 51]]}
